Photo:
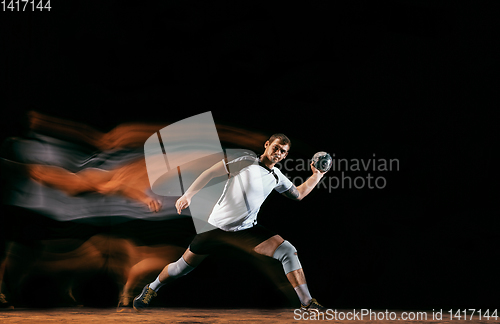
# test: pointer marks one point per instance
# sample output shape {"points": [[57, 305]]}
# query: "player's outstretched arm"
{"points": [[216, 170], [298, 193]]}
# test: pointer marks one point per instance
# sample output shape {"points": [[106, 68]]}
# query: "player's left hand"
{"points": [[316, 171]]}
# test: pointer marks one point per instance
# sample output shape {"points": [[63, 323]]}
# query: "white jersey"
{"points": [[249, 184]]}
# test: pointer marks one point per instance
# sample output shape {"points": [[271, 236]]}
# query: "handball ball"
{"points": [[322, 161]]}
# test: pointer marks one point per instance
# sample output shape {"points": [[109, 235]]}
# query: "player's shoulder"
{"points": [[280, 175], [277, 170]]}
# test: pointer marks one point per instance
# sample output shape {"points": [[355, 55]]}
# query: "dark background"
{"points": [[409, 80]]}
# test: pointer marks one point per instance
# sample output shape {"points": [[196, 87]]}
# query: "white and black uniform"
{"points": [[235, 214], [249, 184]]}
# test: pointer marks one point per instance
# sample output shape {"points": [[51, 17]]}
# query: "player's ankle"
{"points": [[156, 285]]}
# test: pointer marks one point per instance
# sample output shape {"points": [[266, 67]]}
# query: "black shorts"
{"points": [[208, 242]]}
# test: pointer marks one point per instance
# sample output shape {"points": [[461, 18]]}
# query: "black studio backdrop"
{"points": [[406, 80]]}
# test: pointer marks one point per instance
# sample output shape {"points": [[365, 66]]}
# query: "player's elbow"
{"points": [[300, 197], [293, 195], [301, 193]]}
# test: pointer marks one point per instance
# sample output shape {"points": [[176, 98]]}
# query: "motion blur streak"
{"points": [[70, 171], [80, 224], [117, 264]]}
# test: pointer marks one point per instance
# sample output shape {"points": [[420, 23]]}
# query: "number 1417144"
{"points": [[26, 5]]}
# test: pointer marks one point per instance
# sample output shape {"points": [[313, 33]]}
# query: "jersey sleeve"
{"points": [[283, 182]]}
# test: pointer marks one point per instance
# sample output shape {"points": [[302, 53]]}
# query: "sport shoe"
{"points": [[312, 306], [142, 301]]}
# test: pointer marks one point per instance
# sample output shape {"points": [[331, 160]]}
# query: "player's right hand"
{"points": [[182, 203]]}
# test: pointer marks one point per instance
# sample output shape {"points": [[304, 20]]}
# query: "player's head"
{"points": [[277, 147], [282, 138]]}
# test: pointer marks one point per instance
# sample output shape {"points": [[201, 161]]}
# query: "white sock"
{"points": [[156, 285], [303, 293]]}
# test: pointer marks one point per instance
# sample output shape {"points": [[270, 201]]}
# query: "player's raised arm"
{"points": [[321, 163], [298, 193], [214, 171]]}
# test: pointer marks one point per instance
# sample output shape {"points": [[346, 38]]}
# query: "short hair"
{"points": [[282, 138]]}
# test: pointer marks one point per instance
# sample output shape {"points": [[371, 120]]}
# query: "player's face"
{"points": [[276, 151]]}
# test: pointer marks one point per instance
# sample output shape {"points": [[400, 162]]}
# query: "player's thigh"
{"points": [[270, 245]]}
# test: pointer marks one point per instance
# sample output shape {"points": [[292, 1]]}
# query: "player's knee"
{"points": [[287, 255], [179, 268]]}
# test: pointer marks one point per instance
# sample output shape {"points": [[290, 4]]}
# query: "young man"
{"points": [[235, 216]]}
